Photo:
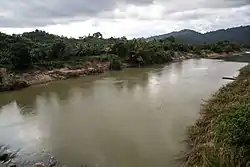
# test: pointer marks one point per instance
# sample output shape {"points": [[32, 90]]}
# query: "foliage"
{"points": [[221, 137], [115, 62], [233, 127], [20, 56], [39, 49]]}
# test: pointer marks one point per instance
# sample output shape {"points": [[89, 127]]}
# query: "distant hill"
{"points": [[238, 35]]}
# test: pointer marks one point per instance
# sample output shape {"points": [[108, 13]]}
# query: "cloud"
{"points": [[132, 18], [28, 13], [204, 13]]}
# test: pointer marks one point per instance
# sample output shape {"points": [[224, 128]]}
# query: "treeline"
{"points": [[39, 49]]}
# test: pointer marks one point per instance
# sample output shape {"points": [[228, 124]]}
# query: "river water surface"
{"points": [[132, 118]]}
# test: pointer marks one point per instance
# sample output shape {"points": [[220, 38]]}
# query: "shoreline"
{"points": [[219, 136], [12, 81]]}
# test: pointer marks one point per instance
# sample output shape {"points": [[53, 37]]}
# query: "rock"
{"points": [[3, 71], [3, 74], [13, 83], [90, 69], [40, 78], [18, 84], [38, 165], [248, 164], [69, 73], [4, 157]]}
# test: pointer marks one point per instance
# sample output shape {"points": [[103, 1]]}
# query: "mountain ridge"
{"points": [[239, 35]]}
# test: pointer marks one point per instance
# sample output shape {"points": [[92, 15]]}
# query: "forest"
{"points": [[41, 50]]}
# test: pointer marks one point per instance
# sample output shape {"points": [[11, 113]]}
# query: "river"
{"points": [[130, 118]]}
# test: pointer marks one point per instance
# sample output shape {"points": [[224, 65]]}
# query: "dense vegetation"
{"points": [[221, 137], [41, 50], [239, 35]]}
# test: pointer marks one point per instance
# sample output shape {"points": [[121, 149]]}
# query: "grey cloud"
{"points": [[236, 3], [35, 13], [173, 6], [225, 3], [191, 15], [235, 12], [43, 12]]}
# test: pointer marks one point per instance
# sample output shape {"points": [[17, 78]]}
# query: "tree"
{"points": [[20, 56], [171, 39], [97, 35], [57, 49]]}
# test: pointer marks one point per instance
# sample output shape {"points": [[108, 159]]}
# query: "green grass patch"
{"points": [[221, 137]]}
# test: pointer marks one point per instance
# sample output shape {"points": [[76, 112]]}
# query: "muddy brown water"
{"points": [[131, 118]]}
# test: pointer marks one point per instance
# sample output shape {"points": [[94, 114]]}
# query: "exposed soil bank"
{"points": [[221, 137], [12, 81]]}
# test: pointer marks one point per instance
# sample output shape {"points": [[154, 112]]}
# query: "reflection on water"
{"points": [[132, 118]]}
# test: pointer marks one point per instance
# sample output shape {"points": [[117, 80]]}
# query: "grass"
{"points": [[221, 137]]}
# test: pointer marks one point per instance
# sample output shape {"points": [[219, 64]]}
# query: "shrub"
{"points": [[233, 127]]}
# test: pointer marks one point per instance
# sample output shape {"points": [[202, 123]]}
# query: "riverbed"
{"points": [[131, 118]]}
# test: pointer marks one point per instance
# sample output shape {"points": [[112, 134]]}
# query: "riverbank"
{"points": [[8, 159], [15, 81], [237, 57], [221, 137]]}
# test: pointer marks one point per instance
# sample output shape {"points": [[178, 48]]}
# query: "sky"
{"points": [[116, 18]]}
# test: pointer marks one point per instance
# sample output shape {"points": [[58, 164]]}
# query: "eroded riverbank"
{"points": [[11, 81], [15, 81]]}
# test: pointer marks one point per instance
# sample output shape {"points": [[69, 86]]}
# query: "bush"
{"points": [[115, 62], [233, 127]]}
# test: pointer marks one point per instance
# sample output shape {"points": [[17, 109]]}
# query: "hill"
{"points": [[183, 36], [239, 35]]}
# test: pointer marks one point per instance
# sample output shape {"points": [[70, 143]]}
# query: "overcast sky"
{"points": [[131, 18]]}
